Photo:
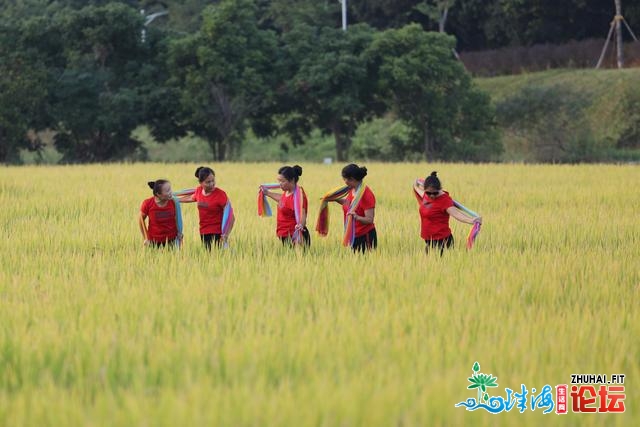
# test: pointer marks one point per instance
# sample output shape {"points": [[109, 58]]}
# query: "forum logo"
{"points": [[589, 393]]}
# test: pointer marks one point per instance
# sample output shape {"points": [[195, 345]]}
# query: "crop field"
{"points": [[96, 330]]}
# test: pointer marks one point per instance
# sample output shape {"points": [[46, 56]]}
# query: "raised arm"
{"points": [[462, 217], [419, 188], [274, 196]]}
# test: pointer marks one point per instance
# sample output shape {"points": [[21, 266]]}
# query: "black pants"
{"points": [[170, 242], [306, 238], [365, 242], [447, 242], [208, 239]]}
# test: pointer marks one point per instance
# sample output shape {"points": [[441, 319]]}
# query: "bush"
{"points": [[554, 122]]}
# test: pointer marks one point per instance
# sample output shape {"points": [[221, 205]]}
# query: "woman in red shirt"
{"points": [[161, 211], [366, 237], [435, 209], [211, 203], [289, 228]]}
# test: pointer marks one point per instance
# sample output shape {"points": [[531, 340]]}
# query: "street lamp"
{"points": [[344, 14], [149, 19]]}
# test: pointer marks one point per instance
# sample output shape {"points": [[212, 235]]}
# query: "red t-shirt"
{"points": [[434, 217], [210, 209], [286, 223], [162, 220], [368, 201]]}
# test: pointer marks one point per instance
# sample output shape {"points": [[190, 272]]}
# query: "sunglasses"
{"points": [[429, 193]]}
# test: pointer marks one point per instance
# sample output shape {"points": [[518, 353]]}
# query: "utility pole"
{"points": [[344, 14], [616, 25], [617, 20]]}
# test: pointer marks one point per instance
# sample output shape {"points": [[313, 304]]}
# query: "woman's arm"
{"points": [[341, 201], [369, 214], [274, 196], [143, 227], [460, 216], [419, 188], [189, 198], [303, 220]]}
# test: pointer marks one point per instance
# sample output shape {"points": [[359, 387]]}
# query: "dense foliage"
{"points": [[90, 72]]}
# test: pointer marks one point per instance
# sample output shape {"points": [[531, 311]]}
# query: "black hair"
{"points": [[156, 186], [354, 171], [291, 173], [203, 173], [433, 181]]}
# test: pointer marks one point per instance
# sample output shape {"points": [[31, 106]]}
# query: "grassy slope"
{"points": [[609, 99]]}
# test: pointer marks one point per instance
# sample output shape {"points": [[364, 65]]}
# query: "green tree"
{"points": [[23, 91], [333, 81], [286, 15], [98, 60], [226, 73], [433, 94]]}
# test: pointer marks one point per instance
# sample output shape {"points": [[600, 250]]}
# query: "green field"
{"points": [[96, 330]]}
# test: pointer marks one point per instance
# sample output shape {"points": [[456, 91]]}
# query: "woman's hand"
{"points": [[477, 219], [147, 242]]}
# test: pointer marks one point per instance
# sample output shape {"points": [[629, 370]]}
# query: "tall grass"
{"points": [[96, 330]]}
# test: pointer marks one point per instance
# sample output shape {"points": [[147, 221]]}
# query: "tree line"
{"points": [[93, 71], [92, 75], [477, 24]]}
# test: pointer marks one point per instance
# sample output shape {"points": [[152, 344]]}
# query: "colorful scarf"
{"points": [[227, 214], [176, 202], [475, 229], [297, 209], [322, 225], [263, 203], [185, 192], [350, 223]]}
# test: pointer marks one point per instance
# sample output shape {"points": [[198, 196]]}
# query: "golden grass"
{"points": [[95, 330]]}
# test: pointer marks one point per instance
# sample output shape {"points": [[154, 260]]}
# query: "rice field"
{"points": [[96, 330]]}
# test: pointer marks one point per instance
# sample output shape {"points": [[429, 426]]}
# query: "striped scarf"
{"points": [[263, 203], [322, 225], [176, 202], [227, 214]]}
